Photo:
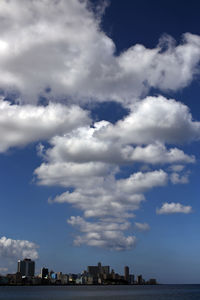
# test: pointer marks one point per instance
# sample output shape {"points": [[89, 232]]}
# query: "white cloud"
{"points": [[176, 168], [89, 226], [154, 119], [110, 239], [110, 203], [142, 226], [102, 201], [71, 174], [173, 208], [108, 197], [17, 249], [176, 178], [21, 125], [88, 160], [158, 154], [168, 70], [103, 234], [59, 44], [87, 144], [82, 146], [56, 49], [140, 182]]}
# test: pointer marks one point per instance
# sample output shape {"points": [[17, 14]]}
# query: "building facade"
{"points": [[26, 267], [126, 273], [44, 273]]}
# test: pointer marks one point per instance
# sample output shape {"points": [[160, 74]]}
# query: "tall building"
{"points": [[105, 270], [44, 273], [131, 279], [98, 270], [26, 267], [140, 280], [97, 273], [93, 270], [126, 273]]}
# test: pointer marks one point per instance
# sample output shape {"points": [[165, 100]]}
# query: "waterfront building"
{"points": [[14, 278], [140, 280], [59, 275], [93, 270], [65, 279], [4, 280], [126, 273], [152, 281], [72, 278], [97, 273], [98, 270], [131, 279], [26, 267], [44, 273], [54, 276]]}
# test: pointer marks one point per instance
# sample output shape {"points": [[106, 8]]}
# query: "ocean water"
{"points": [[159, 292]]}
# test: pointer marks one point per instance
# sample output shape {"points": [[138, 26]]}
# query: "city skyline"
{"points": [[93, 275], [100, 135]]}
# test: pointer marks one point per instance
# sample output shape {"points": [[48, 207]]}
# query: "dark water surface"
{"points": [[160, 292]]}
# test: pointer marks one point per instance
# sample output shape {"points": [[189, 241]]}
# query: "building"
{"points": [[152, 281], [140, 280], [131, 279], [54, 276], [14, 278], [95, 273], [44, 273], [26, 267], [105, 270], [126, 273], [98, 270], [4, 280], [93, 270], [59, 275]]}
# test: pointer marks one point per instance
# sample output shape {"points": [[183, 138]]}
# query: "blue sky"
{"points": [[99, 143]]}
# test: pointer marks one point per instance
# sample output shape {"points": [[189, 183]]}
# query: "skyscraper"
{"points": [[26, 267], [98, 270], [44, 273], [126, 273], [140, 279]]}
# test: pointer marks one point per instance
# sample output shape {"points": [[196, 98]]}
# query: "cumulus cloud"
{"points": [[173, 208], [86, 144], [109, 197], [110, 203], [176, 168], [103, 234], [88, 160], [112, 240], [17, 249], [177, 178], [140, 182], [57, 49], [163, 67], [142, 226], [158, 154], [102, 201], [89, 226], [71, 174], [155, 119], [23, 124]]}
